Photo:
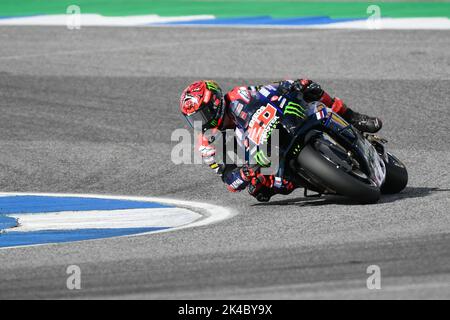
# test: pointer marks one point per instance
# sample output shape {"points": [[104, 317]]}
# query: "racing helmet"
{"points": [[202, 101]]}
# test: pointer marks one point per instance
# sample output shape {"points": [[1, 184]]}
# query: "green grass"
{"points": [[226, 8]]}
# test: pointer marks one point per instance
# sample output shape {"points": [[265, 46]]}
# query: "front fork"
{"points": [[379, 145]]}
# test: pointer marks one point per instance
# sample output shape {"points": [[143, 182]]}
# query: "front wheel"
{"points": [[396, 176], [323, 171]]}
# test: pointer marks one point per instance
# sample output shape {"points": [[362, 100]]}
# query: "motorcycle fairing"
{"points": [[374, 164]]}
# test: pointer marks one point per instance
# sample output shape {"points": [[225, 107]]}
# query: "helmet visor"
{"points": [[203, 118]]}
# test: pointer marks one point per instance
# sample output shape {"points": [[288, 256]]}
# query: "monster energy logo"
{"points": [[262, 159], [212, 86], [295, 110], [297, 149]]}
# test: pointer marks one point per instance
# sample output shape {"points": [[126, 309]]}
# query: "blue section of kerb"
{"points": [[44, 204], [14, 239], [47, 204], [7, 222], [265, 20], [27, 16]]}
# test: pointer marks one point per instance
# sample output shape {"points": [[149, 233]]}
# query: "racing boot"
{"points": [[362, 122]]}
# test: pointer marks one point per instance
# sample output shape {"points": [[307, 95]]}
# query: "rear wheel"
{"points": [[331, 170]]}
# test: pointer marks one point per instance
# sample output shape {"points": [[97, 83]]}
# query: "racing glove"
{"points": [[235, 178], [263, 187]]}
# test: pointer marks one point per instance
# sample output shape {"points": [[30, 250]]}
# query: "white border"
{"points": [[210, 213]]}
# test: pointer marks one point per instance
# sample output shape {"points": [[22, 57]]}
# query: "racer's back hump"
{"points": [[258, 107]]}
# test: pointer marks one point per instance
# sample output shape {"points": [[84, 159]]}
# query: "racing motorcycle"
{"points": [[327, 155]]}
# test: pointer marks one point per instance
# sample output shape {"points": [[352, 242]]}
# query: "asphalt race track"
{"points": [[92, 111]]}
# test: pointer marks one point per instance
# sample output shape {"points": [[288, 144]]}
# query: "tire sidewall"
{"points": [[335, 179]]}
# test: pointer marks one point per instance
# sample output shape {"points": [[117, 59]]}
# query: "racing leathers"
{"points": [[244, 108]]}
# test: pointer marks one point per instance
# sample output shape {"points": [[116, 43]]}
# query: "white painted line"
{"points": [[391, 24], [112, 219], [442, 23], [92, 20], [209, 213]]}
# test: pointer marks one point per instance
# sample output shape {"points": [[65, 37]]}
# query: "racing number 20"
{"points": [[263, 116]]}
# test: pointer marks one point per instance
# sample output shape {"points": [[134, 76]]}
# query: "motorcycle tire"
{"points": [[342, 183], [396, 176]]}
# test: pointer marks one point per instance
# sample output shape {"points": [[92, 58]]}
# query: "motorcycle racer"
{"points": [[203, 101]]}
